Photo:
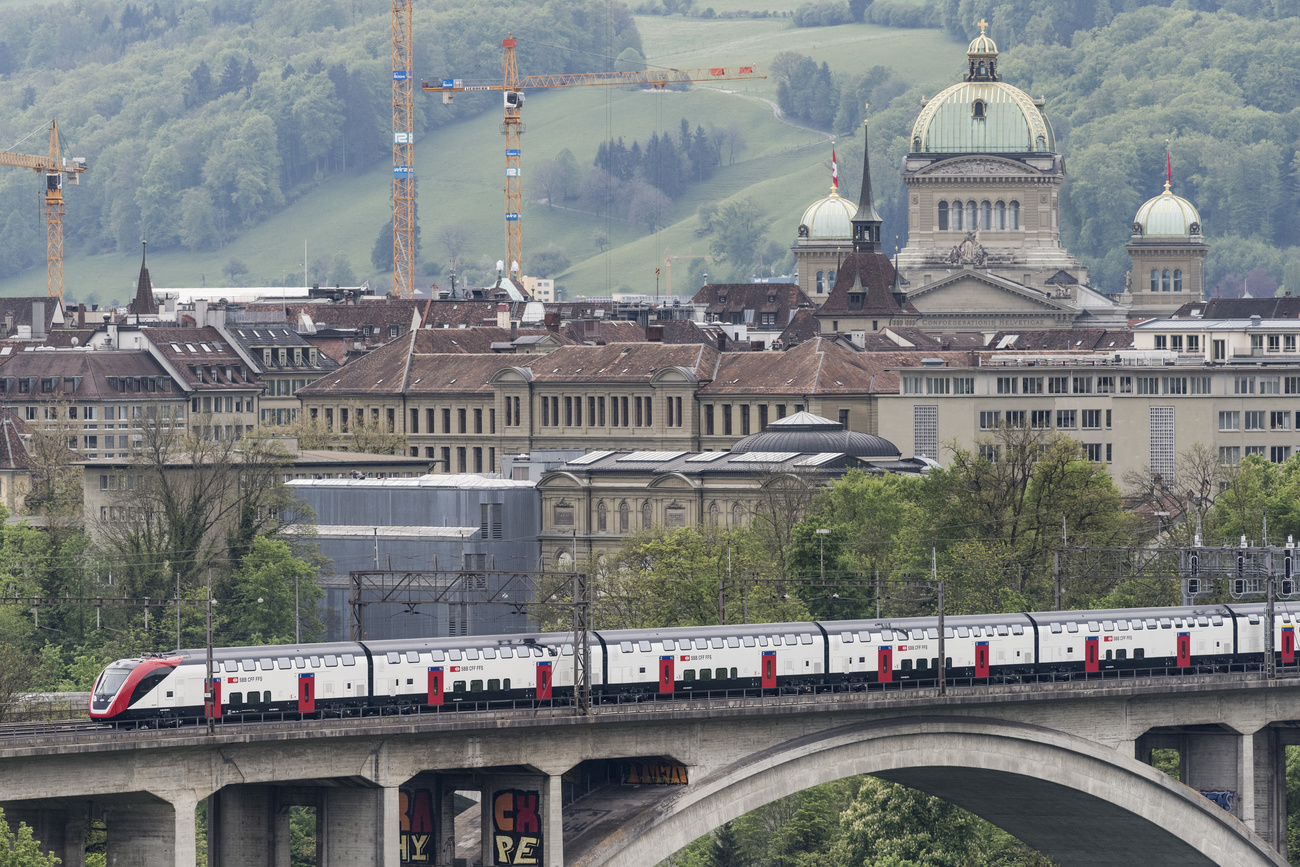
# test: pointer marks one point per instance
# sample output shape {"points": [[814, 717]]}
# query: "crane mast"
{"points": [[513, 126], [403, 154]]}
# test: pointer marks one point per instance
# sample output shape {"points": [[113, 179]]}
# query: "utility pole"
{"points": [[210, 688]]}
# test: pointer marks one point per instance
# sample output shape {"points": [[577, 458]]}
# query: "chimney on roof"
{"points": [[503, 315], [553, 320], [9, 323], [722, 342], [654, 333], [144, 303], [81, 315], [38, 320]]}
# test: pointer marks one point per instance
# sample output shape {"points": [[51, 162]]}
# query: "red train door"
{"points": [[306, 693], [1184, 649], [981, 659], [885, 664], [768, 669], [1288, 645], [666, 674], [544, 681], [1091, 653], [435, 685], [212, 710]]}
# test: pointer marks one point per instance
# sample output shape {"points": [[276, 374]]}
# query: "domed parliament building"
{"points": [[983, 177]]}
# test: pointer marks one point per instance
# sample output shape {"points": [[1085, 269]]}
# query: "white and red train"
{"points": [[396, 676]]}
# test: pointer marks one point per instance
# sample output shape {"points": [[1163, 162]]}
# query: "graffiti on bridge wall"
{"points": [[656, 772], [517, 828], [416, 807]]}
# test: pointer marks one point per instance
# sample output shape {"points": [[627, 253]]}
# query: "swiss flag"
{"points": [[1107, 638], [455, 668], [686, 657], [835, 171], [232, 680]]}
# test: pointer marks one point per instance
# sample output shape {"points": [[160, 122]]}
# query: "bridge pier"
{"points": [[60, 827], [358, 827], [248, 825], [151, 833], [522, 819]]}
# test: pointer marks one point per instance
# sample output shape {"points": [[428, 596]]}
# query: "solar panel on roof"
{"points": [[591, 458], [818, 459], [650, 456], [763, 457], [706, 457]]}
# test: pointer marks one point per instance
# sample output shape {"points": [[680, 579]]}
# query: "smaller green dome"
{"points": [[982, 45], [1167, 216], [829, 219]]}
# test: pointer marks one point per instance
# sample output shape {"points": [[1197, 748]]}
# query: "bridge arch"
{"points": [[1076, 801]]}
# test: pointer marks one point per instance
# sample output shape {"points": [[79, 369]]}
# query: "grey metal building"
{"points": [[435, 522]]}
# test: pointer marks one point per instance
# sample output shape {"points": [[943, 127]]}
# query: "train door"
{"points": [[1288, 645], [981, 659], [306, 693], [885, 664], [768, 669], [665, 674], [544, 681], [1184, 649], [435, 685], [1091, 653], [212, 708]]}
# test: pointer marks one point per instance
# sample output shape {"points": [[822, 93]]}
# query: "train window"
{"points": [[458, 686], [688, 674], [907, 665], [805, 639], [790, 640], [921, 665], [394, 658], [488, 653], [1072, 627], [1137, 625], [716, 643], [331, 661], [1139, 653], [733, 674], [1108, 625], [235, 699], [410, 682], [932, 633], [412, 656], [1017, 629], [566, 650], [505, 684], [643, 646], [776, 641], [963, 632], [438, 656], [1254, 619], [861, 659], [1094, 626], [299, 662], [1122, 653], [507, 653], [625, 646], [494, 684], [886, 635], [749, 641], [706, 674], [1166, 623], [1108, 654], [250, 665], [476, 686], [732, 641], [864, 635], [348, 659], [283, 662], [1121, 625], [1151, 622], [668, 644], [846, 637], [267, 663], [1056, 628], [471, 653], [1202, 621], [762, 641], [453, 655], [948, 632], [720, 674], [701, 644], [1216, 620], [537, 651]]}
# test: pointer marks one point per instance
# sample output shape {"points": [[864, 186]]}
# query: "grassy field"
{"points": [[461, 170]]}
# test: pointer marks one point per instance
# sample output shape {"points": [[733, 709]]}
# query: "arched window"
{"points": [[1013, 216], [737, 515], [830, 279], [979, 103], [956, 217], [1155, 280], [624, 517], [1178, 280], [1165, 280], [645, 515], [821, 282], [564, 562], [972, 216], [1000, 215], [986, 215], [943, 216], [714, 514], [602, 517]]}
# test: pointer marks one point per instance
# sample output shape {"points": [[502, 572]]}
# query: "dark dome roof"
{"points": [[805, 433]]}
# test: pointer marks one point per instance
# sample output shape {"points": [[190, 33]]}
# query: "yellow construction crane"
{"points": [[668, 264], [513, 126], [53, 168], [403, 154]]}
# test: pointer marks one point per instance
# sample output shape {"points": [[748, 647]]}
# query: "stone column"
{"points": [[1263, 789], [553, 821], [514, 820], [1213, 765], [59, 828], [151, 833], [358, 827], [247, 827]]}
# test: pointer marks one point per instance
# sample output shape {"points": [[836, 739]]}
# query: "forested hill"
{"points": [[203, 117], [1219, 81]]}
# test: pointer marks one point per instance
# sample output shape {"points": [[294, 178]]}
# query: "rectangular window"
{"points": [[1175, 385], [1200, 385], [568, 412], [762, 417], [1288, 343], [1161, 420], [1230, 420], [1254, 450], [989, 420], [461, 425], [726, 419], [1148, 385], [1256, 344], [1040, 419], [1279, 420], [1275, 343], [446, 421], [1270, 385], [1176, 343], [1032, 384], [1279, 454], [1229, 455], [1082, 385], [1058, 385], [1243, 385], [1105, 385], [600, 412], [925, 431], [1093, 452], [1091, 419], [1008, 385], [546, 412], [744, 419], [936, 385], [913, 385], [1254, 419], [1193, 343], [708, 419], [1015, 418], [1126, 385], [478, 417], [988, 452], [1066, 419], [963, 385]]}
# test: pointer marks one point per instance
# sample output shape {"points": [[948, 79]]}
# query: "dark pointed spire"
{"points": [[866, 222], [144, 303]]}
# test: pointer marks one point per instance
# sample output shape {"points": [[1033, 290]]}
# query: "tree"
{"points": [[381, 254], [737, 231], [18, 849], [234, 269], [548, 262], [726, 849], [198, 224], [647, 205], [56, 482], [551, 181], [341, 273], [454, 237], [260, 598], [600, 239], [17, 674], [889, 825]]}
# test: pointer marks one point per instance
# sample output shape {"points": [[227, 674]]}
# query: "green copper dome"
{"points": [[830, 218], [1168, 216], [982, 114]]}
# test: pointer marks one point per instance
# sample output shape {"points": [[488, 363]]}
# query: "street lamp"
{"points": [[821, 545]]}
